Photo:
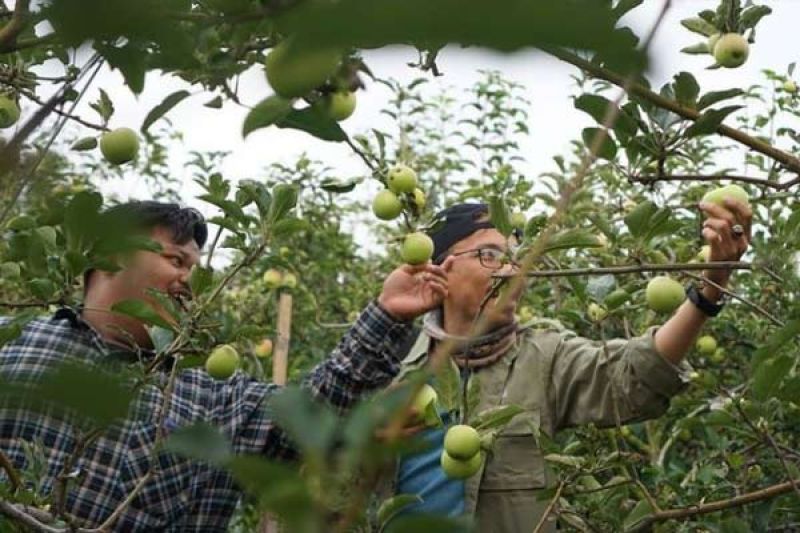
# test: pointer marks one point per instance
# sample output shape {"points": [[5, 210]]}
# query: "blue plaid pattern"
{"points": [[183, 495]]}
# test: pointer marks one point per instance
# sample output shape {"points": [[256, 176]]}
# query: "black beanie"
{"points": [[455, 223]]}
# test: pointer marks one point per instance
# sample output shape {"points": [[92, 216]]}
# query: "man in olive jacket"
{"points": [[560, 380]]}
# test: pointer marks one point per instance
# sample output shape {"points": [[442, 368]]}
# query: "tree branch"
{"points": [[20, 515], [12, 29], [679, 514], [789, 161], [649, 179], [629, 269], [13, 475]]}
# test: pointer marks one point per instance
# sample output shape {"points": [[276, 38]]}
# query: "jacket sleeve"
{"points": [[620, 381]]}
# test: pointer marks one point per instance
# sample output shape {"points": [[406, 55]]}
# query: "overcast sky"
{"points": [[553, 119]]}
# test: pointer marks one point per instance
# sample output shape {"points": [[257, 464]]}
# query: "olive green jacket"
{"points": [[561, 381]]}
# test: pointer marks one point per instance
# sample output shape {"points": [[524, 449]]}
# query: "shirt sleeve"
{"points": [[619, 381]]}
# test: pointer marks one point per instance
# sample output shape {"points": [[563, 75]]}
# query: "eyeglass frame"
{"points": [[478, 253]]}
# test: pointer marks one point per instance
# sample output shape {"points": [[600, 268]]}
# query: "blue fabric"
{"points": [[421, 473]]}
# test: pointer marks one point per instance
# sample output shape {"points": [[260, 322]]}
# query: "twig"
{"points": [[772, 318], [14, 512], [11, 30], [550, 506], [705, 508], [22, 305], [627, 269], [32, 96], [692, 177], [789, 161]]}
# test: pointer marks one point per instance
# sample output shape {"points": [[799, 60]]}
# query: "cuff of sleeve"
{"points": [[653, 370], [376, 327]]}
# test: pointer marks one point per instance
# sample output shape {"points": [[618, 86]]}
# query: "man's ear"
{"points": [[447, 264]]}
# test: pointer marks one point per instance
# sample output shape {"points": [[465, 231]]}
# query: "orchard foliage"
{"points": [[612, 214]]}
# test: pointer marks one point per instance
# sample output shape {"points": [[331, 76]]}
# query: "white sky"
{"points": [[553, 119]]}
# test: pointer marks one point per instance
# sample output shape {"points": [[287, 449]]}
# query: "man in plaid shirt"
{"points": [[181, 494]]}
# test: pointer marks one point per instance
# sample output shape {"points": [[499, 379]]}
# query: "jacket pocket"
{"points": [[515, 463]]}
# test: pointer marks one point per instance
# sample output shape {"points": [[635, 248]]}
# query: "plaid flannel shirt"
{"points": [[183, 495]]}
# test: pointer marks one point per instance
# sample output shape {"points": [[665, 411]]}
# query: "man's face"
{"points": [[166, 271], [469, 280]]}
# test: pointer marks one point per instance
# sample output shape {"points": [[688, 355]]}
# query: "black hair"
{"points": [[184, 223]]}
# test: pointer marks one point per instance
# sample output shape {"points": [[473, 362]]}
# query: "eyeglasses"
{"points": [[490, 258]]}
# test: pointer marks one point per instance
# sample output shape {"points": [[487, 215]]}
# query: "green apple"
{"points": [[223, 362], [9, 111], [790, 86], [706, 345], [417, 248], [712, 42], [664, 294], [119, 146], [458, 469], [718, 356], [338, 105], [21, 223], [294, 70], [704, 255], [596, 312], [387, 205], [518, 220], [289, 281], [616, 298], [419, 199], [731, 50], [462, 442], [424, 400], [272, 278], [263, 348], [402, 179], [10, 270], [734, 192]]}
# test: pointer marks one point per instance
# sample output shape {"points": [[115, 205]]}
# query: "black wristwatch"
{"points": [[708, 307]]}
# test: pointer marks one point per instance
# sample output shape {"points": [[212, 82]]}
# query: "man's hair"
{"points": [[183, 223]]}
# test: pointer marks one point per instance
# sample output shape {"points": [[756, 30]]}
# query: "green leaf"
{"points": [[607, 149], [214, 103], [595, 105], [130, 60], [639, 217], [639, 513], [686, 89], [777, 340], [163, 108], [284, 228], [200, 441], [711, 98], [161, 338], [390, 507], [141, 310], [429, 524], [571, 238], [734, 525], [266, 113], [42, 288], [278, 487], [698, 25], [696, 49], [201, 280], [495, 417], [284, 198], [768, 376], [81, 218], [751, 16], [103, 106], [311, 425], [448, 386], [498, 215], [337, 186], [710, 121], [83, 144], [572, 461], [313, 121]]}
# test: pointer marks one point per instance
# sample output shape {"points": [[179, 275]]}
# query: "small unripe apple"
{"points": [[734, 192], [223, 362], [704, 255], [706, 345], [790, 86], [664, 294], [731, 50], [402, 179], [424, 400], [263, 348], [294, 71], [458, 469], [9, 111], [462, 442], [419, 199], [417, 248], [518, 220], [596, 312], [272, 278], [718, 356], [289, 281], [525, 314], [386, 205], [119, 146], [338, 105]]}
